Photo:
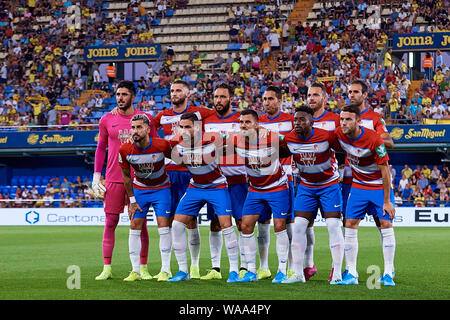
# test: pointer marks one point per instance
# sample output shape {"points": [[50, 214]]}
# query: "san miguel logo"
{"points": [[397, 133], [33, 138], [55, 138], [424, 133]]}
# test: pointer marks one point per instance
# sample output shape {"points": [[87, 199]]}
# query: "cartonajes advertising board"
{"points": [[405, 217]]}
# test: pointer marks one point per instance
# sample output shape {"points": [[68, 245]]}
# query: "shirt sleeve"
{"points": [[379, 150], [100, 152], [153, 132], [122, 158]]}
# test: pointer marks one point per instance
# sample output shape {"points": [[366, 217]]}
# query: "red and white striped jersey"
{"points": [[328, 121], [231, 164], [364, 154], [282, 123], [201, 160], [373, 121], [169, 120], [370, 120], [314, 157], [262, 162], [148, 163]]}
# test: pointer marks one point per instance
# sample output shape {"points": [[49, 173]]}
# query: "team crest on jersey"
{"points": [[353, 160], [146, 167], [254, 162], [175, 127], [308, 158], [194, 160]]}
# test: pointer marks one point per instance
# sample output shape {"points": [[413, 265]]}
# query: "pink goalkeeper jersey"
{"points": [[114, 130]]}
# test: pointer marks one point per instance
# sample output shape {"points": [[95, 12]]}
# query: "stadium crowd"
{"points": [[42, 81], [57, 193]]}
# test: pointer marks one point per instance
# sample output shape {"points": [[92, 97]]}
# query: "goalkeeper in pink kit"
{"points": [[114, 130]]}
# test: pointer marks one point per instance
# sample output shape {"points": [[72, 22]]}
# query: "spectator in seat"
{"points": [[398, 199], [407, 192], [419, 200], [435, 174], [422, 182]]}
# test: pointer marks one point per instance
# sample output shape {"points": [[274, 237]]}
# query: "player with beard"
{"points": [[150, 187], [370, 119], [198, 151], [114, 130], [268, 187], [169, 120], [371, 191], [226, 122]]}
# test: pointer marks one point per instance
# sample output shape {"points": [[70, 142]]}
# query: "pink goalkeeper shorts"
{"points": [[116, 198]]}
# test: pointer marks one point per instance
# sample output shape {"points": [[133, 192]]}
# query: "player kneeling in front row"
{"points": [[151, 187], [199, 153]]}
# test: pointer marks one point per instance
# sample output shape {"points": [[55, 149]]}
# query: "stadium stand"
{"points": [[248, 44]]}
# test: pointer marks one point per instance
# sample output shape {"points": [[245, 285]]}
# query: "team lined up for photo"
{"points": [[240, 165]]}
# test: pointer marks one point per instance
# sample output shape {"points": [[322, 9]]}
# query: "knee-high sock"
{"points": [[109, 237], [309, 253], [144, 244], [388, 250], [263, 245], [351, 250], [282, 248], [231, 243], [194, 246], [215, 247], [241, 252], [179, 243], [249, 248], [298, 245], [289, 233], [336, 245], [134, 247], [165, 247]]}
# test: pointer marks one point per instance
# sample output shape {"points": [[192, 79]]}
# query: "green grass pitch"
{"points": [[34, 262]]}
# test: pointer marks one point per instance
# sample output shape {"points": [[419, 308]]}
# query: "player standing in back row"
{"points": [[281, 122], [114, 130], [226, 122]]}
